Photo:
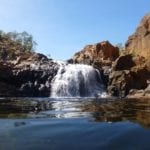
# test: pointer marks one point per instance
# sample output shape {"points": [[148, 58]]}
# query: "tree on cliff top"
{"points": [[23, 38], [12, 43]]}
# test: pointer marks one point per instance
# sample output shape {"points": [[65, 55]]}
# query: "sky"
{"points": [[63, 27]]}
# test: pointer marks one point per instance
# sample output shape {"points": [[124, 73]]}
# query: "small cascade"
{"points": [[76, 80]]}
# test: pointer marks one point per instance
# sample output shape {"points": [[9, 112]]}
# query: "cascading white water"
{"points": [[76, 80]]}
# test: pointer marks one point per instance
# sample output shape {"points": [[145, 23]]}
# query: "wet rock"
{"points": [[145, 93], [30, 76], [19, 123], [16, 106], [136, 93], [7, 90]]}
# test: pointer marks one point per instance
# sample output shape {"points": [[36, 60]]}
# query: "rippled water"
{"points": [[74, 124]]}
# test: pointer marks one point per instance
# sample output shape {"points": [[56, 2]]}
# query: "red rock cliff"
{"points": [[101, 53], [139, 42]]}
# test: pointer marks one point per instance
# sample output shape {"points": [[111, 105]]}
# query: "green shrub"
{"points": [[12, 43]]}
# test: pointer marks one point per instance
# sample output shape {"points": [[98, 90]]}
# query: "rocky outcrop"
{"points": [[123, 63], [127, 73], [134, 93], [27, 76], [130, 73], [121, 82], [100, 56], [97, 55], [139, 42], [30, 74]]}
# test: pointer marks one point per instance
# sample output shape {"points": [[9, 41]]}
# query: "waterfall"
{"points": [[76, 80]]}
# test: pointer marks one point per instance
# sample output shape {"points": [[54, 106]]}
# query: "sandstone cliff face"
{"points": [[139, 42], [99, 54]]}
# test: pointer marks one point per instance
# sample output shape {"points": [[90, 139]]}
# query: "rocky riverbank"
{"points": [[124, 72], [27, 76]]}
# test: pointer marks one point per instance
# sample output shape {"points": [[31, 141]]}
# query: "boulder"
{"points": [[98, 55], [139, 42], [124, 63], [134, 93], [128, 72]]}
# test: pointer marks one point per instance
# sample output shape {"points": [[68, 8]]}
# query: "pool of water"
{"points": [[74, 124]]}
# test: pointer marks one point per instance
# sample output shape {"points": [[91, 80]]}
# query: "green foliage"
{"points": [[14, 43], [23, 38]]}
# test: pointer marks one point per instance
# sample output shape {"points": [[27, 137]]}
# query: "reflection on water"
{"points": [[123, 110], [102, 110], [74, 124]]}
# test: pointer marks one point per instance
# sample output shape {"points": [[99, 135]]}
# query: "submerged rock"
{"points": [[23, 105]]}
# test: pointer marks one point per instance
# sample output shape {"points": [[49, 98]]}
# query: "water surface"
{"points": [[60, 124]]}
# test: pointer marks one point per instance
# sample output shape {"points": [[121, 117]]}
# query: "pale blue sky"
{"points": [[62, 27]]}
